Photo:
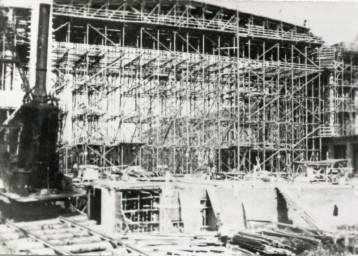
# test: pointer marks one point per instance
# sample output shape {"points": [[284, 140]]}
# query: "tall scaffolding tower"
{"points": [[341, 65], [340, 124]]}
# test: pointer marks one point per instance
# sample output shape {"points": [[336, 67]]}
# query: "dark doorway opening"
{"points": [[340, 151], [282, 209]]}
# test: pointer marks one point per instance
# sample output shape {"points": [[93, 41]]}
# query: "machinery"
{"points": [[29, 168]]}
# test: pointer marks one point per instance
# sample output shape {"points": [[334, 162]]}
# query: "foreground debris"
{"points": [[60, 236], [284, 239], [77, 235], [80, 236]]}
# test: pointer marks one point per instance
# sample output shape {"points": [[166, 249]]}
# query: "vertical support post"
{"points": [[306, 105], [175, 100], [85, 153], [66, 159], [122, 153], [292, 142], [249, 107], [205, 88], [3, 62], [159, 101], [188, 110], [141, 98], [320, 110], [277, 117], [123, 35], [219, 107], [238, 91], [264, 104]]}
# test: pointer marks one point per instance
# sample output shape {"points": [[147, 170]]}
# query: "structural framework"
{"points": [[341, 64], [184, 84]]}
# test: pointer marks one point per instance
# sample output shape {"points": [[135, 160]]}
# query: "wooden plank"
{"points": [[42, 251], [284, 234], [76, 240], [69, 235], [105, 237], [88, 247], [27, 233], [24, 246]]}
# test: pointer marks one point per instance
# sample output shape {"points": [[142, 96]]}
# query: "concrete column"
{"points": [[108, 213], [169, 209]]}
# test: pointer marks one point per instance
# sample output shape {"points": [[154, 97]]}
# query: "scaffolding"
{"points": [[340, 91], [180, 14], [14, 48], [14, 51], [184, 84]]}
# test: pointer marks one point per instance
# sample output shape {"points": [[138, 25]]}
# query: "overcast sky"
{"points": [[332, 20]]}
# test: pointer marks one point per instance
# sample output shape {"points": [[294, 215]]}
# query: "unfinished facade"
{"points": [[340, 123], [184, 84]]}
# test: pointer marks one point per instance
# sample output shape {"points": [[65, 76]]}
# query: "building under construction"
{"points": [[184, 86], [178, 83]]}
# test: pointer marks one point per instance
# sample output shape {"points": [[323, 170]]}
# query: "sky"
{"points": [[334, 21]]}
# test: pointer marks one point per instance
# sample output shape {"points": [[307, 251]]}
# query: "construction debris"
{"points": [[276, 240]]}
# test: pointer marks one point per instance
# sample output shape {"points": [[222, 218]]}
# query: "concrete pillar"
{"points": [[349, 154], [108, 213], [169, 209]]}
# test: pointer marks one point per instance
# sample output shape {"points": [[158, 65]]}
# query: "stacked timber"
{"points": [[285, 239], [261, 244]]}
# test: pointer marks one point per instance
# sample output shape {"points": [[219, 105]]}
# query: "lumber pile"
{"points": [[260, 243], [202, 244], [283, 239]]}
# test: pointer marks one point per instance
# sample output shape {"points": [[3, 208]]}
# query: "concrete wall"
{"points": [[259, 204], [319, 201], [259, 201]]}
